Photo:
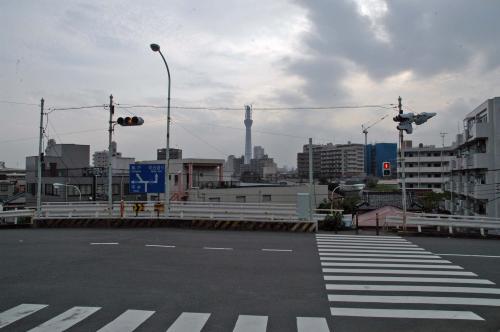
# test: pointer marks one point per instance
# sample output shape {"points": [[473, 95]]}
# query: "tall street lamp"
{"points": [[156, 48], [59, 185]]}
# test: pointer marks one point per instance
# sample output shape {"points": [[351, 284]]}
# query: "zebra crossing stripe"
{"points": [[392, 271], [360, 236], [404, 313], [189, 322], [414, 299], [394, 260], [18, 312], [363, 241], [308, 324], [399, 288], [374, 250], [247, 323], [366, 247], [420, 266], [409, 279], [128, 321], [350, 243], [65, 320], [376, 255]]}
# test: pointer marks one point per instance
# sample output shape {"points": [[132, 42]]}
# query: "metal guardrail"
{"points": [[443, 220], [11, 216], [178, 210]]}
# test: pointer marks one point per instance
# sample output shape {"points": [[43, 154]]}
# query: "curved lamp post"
{"points": [[358, 186], [156, 48], [59, 185]]}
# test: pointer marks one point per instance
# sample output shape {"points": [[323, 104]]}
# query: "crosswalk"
{"points": [[130, 320], [390, 277]]}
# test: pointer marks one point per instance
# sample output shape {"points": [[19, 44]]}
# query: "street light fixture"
{"points": [[156, 48], [59, 185], [354, 187]]}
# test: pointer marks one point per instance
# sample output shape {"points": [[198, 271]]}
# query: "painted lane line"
{"points": [[370, 244], [103, 243], [284, 250], [319, 239], [367, 247], [370, 259], [189, 322], [420, 266], [159, 246], [377, 255], [375, 250], [402, 313], [487, 256], [409, 279], [19, 312], [392, 271], [398, 288], [127, 321], [360, 236], [65, 320], [414, 299], [247, 323], [215, 248], [310, 324]]}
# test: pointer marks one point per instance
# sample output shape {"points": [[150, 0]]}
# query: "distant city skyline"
{"points": [[284, 53]]}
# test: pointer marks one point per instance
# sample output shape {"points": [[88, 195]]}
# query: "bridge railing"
{"points": [[12, 216], [443, 220]]}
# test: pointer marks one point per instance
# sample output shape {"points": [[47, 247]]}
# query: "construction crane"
{"points": [[365, 131]]}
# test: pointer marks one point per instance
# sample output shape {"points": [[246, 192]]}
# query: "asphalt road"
{"points": [[237, 280]]}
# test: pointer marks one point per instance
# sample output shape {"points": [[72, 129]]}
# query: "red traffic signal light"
{"points": [[386, 165], [130, 121], [386, 168]]}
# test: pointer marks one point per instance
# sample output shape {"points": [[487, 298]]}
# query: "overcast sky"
{"points": [[441, 56]]}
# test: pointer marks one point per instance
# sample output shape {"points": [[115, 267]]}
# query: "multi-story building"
{"points": [[119, 164], [258, 152], [332, 161], [426, 166], [475, 170], [377, 154], [262, 169]]}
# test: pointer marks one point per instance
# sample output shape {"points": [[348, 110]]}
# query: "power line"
{"points": [[17, 103]]}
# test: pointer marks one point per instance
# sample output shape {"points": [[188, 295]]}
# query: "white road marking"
{"points": [[18, 312], [362, 241], [360, 236], [414, 299], [402, 313], [488, 256], [65, 320], [420, 266], [367, 247], [103, 243], [312, 324], [189, 322], [371, 244], [286, 250], [409, 279], [399, 288], [159, 246], [374, 250], [377, 255], [392, 271], [370, 259], [247, 323], [215, 248], [128, 321]]}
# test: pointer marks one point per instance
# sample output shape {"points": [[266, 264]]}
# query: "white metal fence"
{"points": [[442, 220], [12, 216]]}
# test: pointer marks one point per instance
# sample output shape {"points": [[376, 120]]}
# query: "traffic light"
{"points": [[386, 168], [405, 120], [130, 121]]}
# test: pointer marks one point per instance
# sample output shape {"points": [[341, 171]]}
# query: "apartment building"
{"points": [[426, 166], [475, 170]]}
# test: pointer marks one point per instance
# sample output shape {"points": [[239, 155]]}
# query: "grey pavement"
{"points": [[187, 280]]}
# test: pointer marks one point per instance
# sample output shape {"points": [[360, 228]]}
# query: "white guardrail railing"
{"points": [[12, 216], [444, 220], [178, 210]]}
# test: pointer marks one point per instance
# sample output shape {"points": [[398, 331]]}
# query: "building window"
{"points": [[266, 198], [32, 188], [49, 189], [214, 199], [116, 189], [86, 189], [4, 187]]}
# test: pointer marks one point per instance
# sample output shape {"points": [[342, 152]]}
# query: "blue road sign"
{"points": [[146, 178]]}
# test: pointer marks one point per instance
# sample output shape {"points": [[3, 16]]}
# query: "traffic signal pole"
{"points": [[110, 157], [402, 159], [39, 165]]}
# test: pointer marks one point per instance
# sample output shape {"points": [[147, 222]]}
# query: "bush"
{"points": [[331, 223]]}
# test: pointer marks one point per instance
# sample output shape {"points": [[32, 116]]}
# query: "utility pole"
{"points": [[311, 180], [402, 159], [39, 166], [110, 156], [442, 160]]}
